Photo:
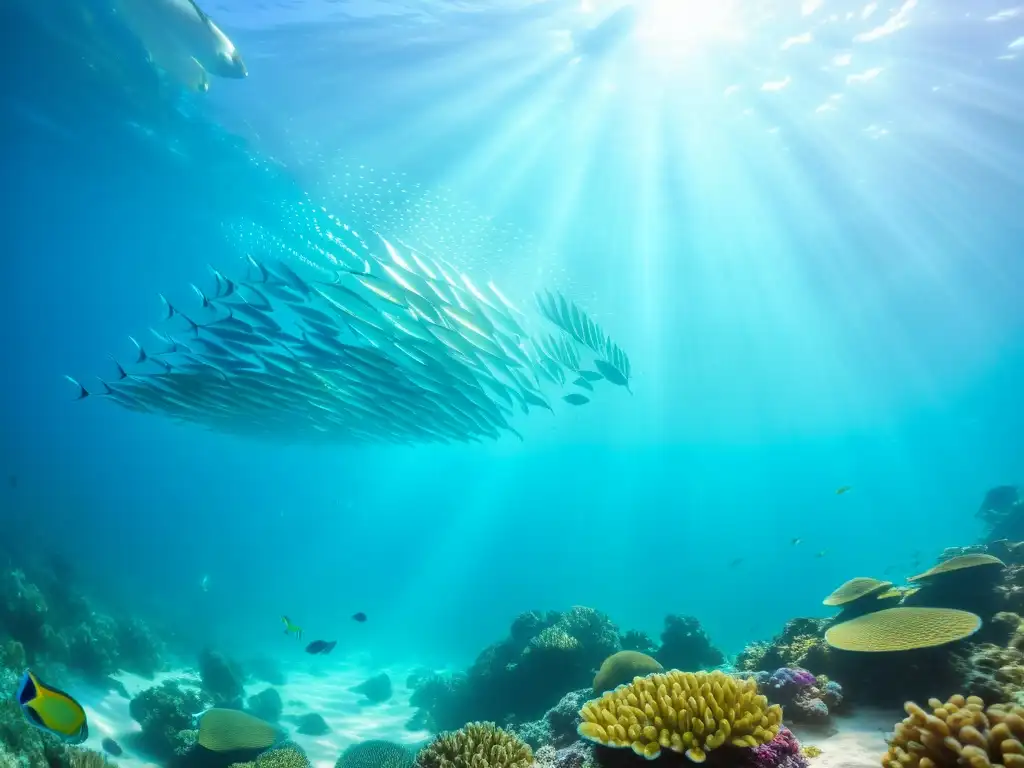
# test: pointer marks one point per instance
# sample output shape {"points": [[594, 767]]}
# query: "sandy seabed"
{"points": [[326, 692], [852, 741], [857, 740]]}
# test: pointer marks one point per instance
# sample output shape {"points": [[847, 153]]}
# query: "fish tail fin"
{"points": [[260, 269], [27, 689], [192, 324], [168, 307], [106, 388], [82, 391], [202, 296], [142, 352], [121, 372]]}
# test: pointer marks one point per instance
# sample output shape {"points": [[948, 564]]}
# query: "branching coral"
{"points": [[86, 758], [958, 732], [690, 713], [476, 745]]}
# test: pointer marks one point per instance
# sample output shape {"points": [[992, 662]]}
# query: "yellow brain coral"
{"points": [[855, 589], [960, 732], [687, 712], [902, 629], [958, 564], [477, 745], [622, 667]]}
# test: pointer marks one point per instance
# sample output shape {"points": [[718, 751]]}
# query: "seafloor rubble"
{"points": [[570, 690]]}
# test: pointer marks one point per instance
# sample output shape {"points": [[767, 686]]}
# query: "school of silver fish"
{"points": [[365, 345]]}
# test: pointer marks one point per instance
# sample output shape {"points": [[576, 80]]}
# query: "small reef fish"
{"points": [[321, 647], [794, 542], [843, 489], [735, 562], [204, 583], [291, 629], [360, 617], [821, 553], [111, 747], [52, 710]]}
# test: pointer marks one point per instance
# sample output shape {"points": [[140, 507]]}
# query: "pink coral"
{"points": [[781, 752]]}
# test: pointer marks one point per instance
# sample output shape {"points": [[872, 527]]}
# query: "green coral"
{"points": [[285, 756], [476, 745], [375, 753]]}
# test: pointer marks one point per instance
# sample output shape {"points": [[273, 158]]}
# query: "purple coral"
{"points": [[788, 678], [781, 752]]}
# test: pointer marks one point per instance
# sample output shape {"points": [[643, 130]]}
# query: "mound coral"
{"points": [[622, 667], [685, 645], [476, 745], [266, 705], [902, 629], [958, 732], [689, 713], [222, 679], [375, 753], [375, 690]]}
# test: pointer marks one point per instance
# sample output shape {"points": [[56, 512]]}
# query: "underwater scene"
{"points": [[512, 384]]}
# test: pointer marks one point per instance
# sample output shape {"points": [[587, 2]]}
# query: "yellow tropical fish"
{"points": [[291, 629], [51, 710], [843, 489]]}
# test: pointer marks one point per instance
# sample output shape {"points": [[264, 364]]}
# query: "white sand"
{"points": [[325, 693], [852, 741]]}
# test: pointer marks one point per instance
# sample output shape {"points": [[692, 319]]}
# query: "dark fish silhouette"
{"points": [[111, 747], [360, 617], [322, 647]]}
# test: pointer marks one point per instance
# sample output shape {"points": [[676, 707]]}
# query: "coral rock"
{"points": [[476, 745]]}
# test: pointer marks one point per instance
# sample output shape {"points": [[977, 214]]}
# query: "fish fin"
{"points": [[202, 296], [168, 306], [26, 688], [121, 372], [192, 324], [142, 353], [106, 387], [200, 13], [82, 391]]}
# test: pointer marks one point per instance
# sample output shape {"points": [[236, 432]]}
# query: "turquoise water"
{"points": [[800, 221]]}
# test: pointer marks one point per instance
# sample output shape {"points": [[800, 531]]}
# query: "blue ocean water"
{"points": [[801, 220]]}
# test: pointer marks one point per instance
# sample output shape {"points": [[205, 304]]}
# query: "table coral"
{"points": [[689, 713]]}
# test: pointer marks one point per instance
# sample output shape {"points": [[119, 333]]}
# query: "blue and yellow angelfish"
{"points": [[52, 710]]}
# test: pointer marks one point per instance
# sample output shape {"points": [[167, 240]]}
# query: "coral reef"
{"points": [[685, 646], [86, 758], [801, 644], [266, 705], [476, 745], [803, 697], [375, 690], [966, 582], [634, 640], [1002, 512], [690, 713], [622, 667], [960, 731], [518, 679], [284, 756], [165, 713], [222, 679], [902, 629], [783, 751], [557, 728], [375, 754], [55, 624]]}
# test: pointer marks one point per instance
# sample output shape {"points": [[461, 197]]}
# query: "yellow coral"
{"points": [[810, 750], [855, 589], [622, 667], [958, 564], [902, 629], [685, 712], [959, 732], [477, 745]]}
